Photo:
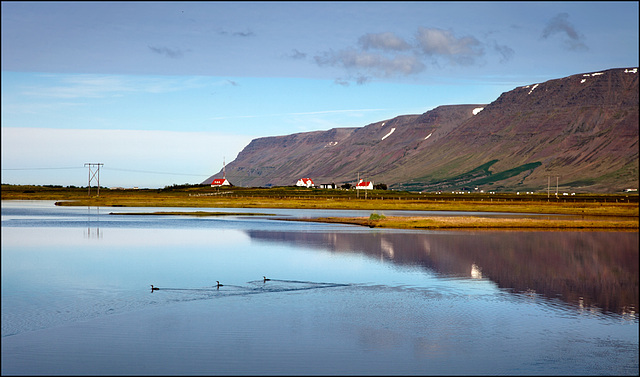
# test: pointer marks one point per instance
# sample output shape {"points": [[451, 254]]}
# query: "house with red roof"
{"points": [[220, 182], [305, 182], [364, 185]]}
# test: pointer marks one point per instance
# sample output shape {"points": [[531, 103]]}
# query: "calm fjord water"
{"points": [[76, 296]]}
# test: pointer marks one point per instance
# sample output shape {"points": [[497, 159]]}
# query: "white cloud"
{"points": [[387, 54], [442, 43], [384, 41], [381, 65]]}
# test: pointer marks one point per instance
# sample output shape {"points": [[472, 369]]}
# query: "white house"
{"points": [[305, 182], [364, 185], [220, 182]]}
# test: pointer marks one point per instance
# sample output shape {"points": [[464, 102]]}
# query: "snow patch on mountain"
{"points": [[387, 135]]}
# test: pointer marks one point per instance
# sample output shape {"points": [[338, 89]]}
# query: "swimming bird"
{"points": [[154, 288], [265, 279], [219, 285]]}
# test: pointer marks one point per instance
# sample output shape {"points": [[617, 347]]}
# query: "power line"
{"points": [[116, 169], [42, 168], [157, 172], [93, 173]]}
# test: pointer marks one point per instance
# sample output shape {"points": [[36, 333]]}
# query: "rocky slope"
{"points": [[580, 131]]}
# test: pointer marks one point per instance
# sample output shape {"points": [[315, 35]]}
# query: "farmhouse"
{"points": [[364, 185], [220, 182], [305, 182]]}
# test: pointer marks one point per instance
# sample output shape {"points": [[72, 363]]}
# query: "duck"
{"points": [[154, 288], [219, 285], [265, 279]]}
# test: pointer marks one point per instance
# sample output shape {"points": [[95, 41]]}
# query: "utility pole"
{"points": [[556, 185], [93, 173], [548, 183]]}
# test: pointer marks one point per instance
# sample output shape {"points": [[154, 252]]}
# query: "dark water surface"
{"points": [[342, 299]]}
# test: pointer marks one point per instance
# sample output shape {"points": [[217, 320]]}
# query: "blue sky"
{"points": [[162, 92]]}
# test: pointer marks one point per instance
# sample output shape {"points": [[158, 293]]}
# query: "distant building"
{"points": [[220, 182], [364, 185], [328, 185], [305, 182]]}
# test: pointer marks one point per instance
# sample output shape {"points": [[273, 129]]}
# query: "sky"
{"points": [[165, 93]]}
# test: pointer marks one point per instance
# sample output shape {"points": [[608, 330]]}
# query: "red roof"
{"points": [[218, 181], [363, 183], [306, 181]]}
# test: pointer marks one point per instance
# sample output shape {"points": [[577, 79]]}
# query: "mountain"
{"points": [[579, 132]]}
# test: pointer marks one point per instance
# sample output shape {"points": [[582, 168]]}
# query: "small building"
{"points": [[328, 185], [305, 182], [364, 185], [220, 182]]}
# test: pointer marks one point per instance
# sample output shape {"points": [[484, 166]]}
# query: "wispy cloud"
{"points": [[506, 52], [295, 54], [166, 51], [79, 86], [242, 34], [347, 111], [560, 24], [101, 86]]}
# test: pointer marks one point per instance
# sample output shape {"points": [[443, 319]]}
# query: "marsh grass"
{"points": [[613, 211], [474, 222]]}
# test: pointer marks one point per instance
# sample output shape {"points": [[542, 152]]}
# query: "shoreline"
{"points": [[436, 222], [195, 213], [593, 211], [479, 223]]}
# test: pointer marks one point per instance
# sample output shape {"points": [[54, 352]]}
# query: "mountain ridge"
{"points": [[581, 130]]}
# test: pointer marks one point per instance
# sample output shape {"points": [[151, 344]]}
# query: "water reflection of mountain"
{"points": [[582, 268]]}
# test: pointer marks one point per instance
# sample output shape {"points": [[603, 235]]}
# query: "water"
{"points": [[76, 296]]}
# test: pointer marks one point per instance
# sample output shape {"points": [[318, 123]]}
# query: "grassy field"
{"points": [[616, 210], [478, 223]]}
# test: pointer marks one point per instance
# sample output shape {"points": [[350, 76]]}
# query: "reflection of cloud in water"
{"points": [[123, 237], [476, 272], [580, 268], [387, 248]]}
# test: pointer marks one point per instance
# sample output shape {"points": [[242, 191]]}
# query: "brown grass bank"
{"points": [[613, 211]]}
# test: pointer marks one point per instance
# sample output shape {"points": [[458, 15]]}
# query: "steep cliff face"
{"points": [[581, 130], [282, 160]]}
